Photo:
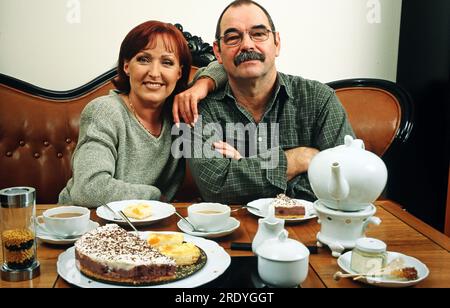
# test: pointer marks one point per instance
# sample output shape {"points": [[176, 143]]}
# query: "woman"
{"points": [[124, 146]]}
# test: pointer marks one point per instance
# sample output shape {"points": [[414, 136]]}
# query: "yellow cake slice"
{"points": [[159, 239], [183, 254], [172, 245], [138, 211]]}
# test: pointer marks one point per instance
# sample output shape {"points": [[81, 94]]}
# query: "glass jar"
{"points": [[368, 256], [18, 233]]}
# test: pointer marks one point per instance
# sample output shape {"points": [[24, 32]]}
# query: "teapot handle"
{"points": [[374, 220]]}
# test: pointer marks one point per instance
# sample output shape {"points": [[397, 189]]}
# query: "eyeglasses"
{"points": [[235, 38]]}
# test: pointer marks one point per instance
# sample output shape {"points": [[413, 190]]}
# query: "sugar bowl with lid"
{"points": [[283, 262]]}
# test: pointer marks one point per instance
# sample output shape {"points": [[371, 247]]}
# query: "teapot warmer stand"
{"points": [[339, 230], [337, 247]]}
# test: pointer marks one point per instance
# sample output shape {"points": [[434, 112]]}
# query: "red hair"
{"points": [[145, 35]]}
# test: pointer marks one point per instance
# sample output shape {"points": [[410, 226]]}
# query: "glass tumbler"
{"points": [[18, 234]]}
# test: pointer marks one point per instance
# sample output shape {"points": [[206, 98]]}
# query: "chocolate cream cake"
{"points": [[286, 207], [111, 254]]}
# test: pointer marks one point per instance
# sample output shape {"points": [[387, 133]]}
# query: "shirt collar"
{"points": [[282, 87]]}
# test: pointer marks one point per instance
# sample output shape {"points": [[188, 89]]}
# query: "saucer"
{"points": [[232, 225], [49, 239], [422, 270]]}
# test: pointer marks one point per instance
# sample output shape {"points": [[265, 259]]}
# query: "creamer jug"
{"points": [[268, 228]]}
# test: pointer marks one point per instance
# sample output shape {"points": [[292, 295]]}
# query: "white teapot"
{"points": [[347, 177]]}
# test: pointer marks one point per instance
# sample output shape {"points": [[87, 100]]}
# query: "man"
{"points": [[274, 124]]}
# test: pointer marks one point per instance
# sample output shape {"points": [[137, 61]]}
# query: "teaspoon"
{"points": [[128, 221], [246, 206], [194, 229], [112, 212]]}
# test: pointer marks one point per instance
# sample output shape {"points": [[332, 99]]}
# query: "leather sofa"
{"points": [[39, 128]]}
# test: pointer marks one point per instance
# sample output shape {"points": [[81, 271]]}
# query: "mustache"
{"points": [[248, 56]]}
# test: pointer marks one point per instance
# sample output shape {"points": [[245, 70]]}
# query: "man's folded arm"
{"points": [[229, 180]]}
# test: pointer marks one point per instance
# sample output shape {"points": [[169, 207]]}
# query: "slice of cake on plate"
{"points": [[174, 246], [138, 211], [111, 254], [288, 208], [160, 239]]}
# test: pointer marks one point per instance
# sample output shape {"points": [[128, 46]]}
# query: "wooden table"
{"points": [[401, 231]]}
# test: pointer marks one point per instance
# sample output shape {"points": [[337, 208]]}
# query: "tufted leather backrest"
{"points": [[379, 111], [37, 139], [376, 124]]}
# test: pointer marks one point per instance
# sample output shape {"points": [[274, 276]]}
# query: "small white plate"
{"points": [[263, 205], [422, 270], [217, 262], [50, 239], [160, 211], [232, 225]]}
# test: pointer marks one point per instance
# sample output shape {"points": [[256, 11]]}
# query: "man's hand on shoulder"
{"points": [[185, 103], [298, 160]]}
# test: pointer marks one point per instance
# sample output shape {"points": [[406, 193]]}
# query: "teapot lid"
{"points": [[353, 143], [282, 248]]}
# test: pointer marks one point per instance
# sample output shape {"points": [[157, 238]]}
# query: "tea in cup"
{"points": [[209, 216], [65, 220]]}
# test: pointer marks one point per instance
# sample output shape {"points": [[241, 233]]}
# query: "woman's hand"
{"points": [[227, 150], [185, 103]]}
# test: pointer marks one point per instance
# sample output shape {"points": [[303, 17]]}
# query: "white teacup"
{"points": [[209, 216], [65, 220]]}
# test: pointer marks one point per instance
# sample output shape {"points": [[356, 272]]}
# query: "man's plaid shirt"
{"points": [[308, 113]]}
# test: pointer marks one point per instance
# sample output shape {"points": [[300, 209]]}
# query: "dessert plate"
{"points": [[422, 271], [263, 204], [160, 211], [232, 225], [217, 262], [57, 240]]}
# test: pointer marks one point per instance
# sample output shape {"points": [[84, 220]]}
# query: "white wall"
{"points": [[62, 44]]}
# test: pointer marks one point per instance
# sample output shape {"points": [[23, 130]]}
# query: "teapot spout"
{"points": [[338, 186]]}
